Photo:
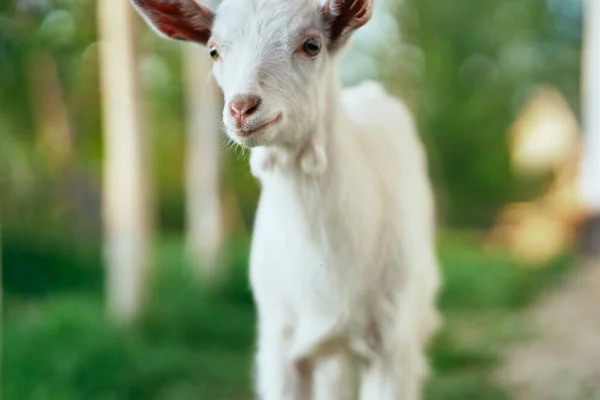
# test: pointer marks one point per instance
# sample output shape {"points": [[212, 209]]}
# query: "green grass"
{"points": [[195, 343]]}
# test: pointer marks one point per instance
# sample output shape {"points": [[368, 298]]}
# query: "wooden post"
{"points": [[591, 105], [125, 196], [590, 169], [203, 200]]}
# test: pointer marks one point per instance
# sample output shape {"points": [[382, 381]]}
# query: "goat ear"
{"points": [[345, 16], [177, 19]]}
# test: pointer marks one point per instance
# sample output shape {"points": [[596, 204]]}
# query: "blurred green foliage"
{"points": [[466, 67], [196, 343], [45, 267], [477, 63], [486, 279]]}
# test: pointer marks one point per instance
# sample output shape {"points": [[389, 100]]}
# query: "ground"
{"points": [[194, 342], [562, 359]]}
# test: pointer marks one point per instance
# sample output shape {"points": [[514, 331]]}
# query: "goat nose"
{"points": [[243, 106]]}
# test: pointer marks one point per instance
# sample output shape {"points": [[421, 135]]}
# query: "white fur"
{"points": [[343, 261]]}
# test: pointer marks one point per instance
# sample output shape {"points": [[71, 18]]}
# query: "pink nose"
{"points": [[243, 106]]}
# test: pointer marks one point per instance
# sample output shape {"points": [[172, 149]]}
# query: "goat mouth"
{"points": [[249, 132]]}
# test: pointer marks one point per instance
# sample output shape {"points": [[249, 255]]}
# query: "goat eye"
{"points": [[214, 53], [312, 46]]}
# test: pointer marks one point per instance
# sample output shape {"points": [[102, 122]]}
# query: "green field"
{"points": [[194, 343]]}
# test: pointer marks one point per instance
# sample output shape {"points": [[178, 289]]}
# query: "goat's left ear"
{"points": [[177, 19], [344, 17]]}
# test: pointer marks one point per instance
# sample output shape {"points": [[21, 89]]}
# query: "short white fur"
{"points": [[343, 262]]}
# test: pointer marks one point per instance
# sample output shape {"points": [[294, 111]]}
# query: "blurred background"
{"points": [[126, 219]]}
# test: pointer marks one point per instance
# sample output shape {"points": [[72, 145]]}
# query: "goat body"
{"points": [[343, 261]]}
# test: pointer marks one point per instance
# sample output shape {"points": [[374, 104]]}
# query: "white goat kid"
{"points": [[343, 260]]}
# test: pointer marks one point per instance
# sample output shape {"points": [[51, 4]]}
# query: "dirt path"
{"points": [[562, 360]]}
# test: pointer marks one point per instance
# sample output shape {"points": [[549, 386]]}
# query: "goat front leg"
{"points": [[278, 376], [332, 378], [386, 379], [397, 369]]}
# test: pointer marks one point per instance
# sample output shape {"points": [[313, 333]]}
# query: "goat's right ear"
{"points": [[344, 17], [177, 19]]}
